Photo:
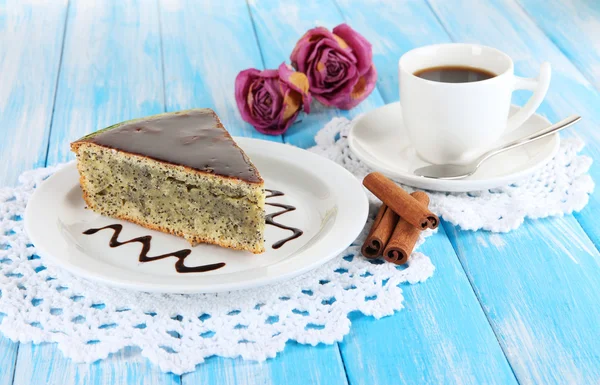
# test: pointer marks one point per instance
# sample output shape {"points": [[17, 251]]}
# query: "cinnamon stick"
{"points": [[380, 232], [401, 202], [405, 236]]}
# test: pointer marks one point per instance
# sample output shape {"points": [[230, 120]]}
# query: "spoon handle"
{"points": [[531, 137]]}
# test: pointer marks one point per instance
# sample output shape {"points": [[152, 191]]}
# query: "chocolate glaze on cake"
{"points": [[193, 138]]}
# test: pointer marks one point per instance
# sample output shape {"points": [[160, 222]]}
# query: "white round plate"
{"points": [[378, 139], [331, 209]]}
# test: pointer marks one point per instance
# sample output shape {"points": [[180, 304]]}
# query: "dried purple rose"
{"points": [[270, 100], [339, 65]]}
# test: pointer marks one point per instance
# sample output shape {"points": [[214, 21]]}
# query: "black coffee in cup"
{"points": [[454, 74]]}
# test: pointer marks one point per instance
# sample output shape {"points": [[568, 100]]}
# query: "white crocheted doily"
{"points": [[42, 303], [560, 187]]}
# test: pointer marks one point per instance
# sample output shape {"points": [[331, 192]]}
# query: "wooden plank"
{"points": [[575, 35], [31, 37], [198, 43], [111, 71], [205, 46], [539, 285], [574, 94], [422, 343], [440, 337], [297, 364], [44, 364], [8, 359]]}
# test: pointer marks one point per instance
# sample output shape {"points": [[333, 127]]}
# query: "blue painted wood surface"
{"points": [[8, 359], [576, 34], [519, 307], [539, 285], [205, 46], [44, 364], [298, 364], [426, 338], [31, 40], [110, 71]]}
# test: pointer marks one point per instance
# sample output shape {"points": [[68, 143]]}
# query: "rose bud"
{"points": [[339, 65], [270, 100]]}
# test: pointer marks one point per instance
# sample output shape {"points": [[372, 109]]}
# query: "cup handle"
{"points": [[539, 86]]}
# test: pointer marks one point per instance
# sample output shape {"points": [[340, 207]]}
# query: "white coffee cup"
{"points": [[456, 122]]}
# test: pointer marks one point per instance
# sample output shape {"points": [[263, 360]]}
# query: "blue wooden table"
{"points": [[522, 307]]}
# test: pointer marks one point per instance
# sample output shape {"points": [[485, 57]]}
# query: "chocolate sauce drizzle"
{"points": [[271, 221], [145, 241]]}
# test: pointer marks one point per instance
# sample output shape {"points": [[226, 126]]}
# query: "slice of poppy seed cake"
{"points": [[179, 173]]}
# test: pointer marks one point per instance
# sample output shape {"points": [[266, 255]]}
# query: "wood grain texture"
{"points": [[31, 37], [206, 44], [8, 359], [576, 34], [279, 25], [539, 284], [440, 337], [111, 70], [297, 364], [423, 343], [44, 364]]}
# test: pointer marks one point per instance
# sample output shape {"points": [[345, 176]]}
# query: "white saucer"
{"points": [[331, 209], [379, 140]]}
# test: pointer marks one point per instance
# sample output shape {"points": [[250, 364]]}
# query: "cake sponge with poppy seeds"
{"points": [[179, 173]]}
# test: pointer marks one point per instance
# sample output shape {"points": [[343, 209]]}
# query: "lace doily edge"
{"points": [[388, 302]]}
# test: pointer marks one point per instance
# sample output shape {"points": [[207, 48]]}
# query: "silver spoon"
{"points": [[454, 171]]}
